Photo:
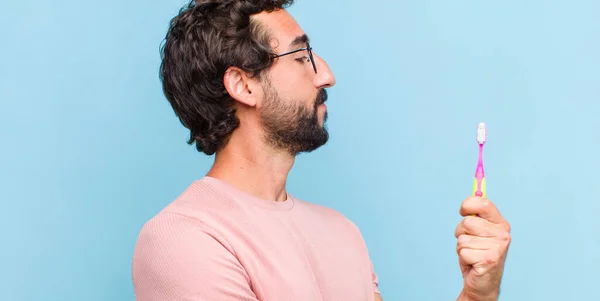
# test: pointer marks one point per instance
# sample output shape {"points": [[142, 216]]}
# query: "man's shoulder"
{"points": [[201, 200], [199, 208], [190, 222], [318, 208], [328, 213]]}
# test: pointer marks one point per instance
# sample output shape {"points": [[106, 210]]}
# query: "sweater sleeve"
{"points": [[179, 258]]}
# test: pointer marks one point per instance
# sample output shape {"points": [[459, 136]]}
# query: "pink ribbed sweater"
{"points": [[218, 243]]}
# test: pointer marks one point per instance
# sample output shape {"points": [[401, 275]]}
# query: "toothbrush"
{"points": [[479, 183]]}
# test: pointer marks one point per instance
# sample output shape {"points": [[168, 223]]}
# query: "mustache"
{"points": [[321, 97]]}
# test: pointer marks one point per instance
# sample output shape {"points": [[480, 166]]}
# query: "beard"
{"points": [[289, 125]]}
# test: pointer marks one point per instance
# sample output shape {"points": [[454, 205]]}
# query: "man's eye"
{"points": [[304, 59]]}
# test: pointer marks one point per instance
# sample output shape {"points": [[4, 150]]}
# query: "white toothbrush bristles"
{"points": [[481, 133]]}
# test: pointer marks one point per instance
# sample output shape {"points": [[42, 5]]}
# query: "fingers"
{"points": [[482, 238], [484, 208], [471, 256], [476, 243], [472, 225], [482, 251], [479, 250]]}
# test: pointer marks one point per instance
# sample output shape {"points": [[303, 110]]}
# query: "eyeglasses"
{"points": [[307, 48]]}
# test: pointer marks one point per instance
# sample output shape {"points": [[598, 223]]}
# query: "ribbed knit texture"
{"points": [[218, 243]]}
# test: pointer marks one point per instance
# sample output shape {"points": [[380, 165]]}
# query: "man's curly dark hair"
{"points": [[203, 40]]}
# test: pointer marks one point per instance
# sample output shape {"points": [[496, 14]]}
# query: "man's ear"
{"points": [[240, 86]]}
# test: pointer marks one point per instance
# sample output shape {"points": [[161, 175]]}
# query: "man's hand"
{"points": [[483, 242]]}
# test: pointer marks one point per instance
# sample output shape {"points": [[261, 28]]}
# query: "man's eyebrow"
{"points": [[299, 41]]}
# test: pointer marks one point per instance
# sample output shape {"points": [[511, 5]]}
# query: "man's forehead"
{"points": [[283, 28]]}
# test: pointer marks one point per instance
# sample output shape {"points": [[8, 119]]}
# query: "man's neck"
{"points": [[256, 170]]}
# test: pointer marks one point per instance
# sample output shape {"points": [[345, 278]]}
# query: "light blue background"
{"points": [[90, 148]]}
